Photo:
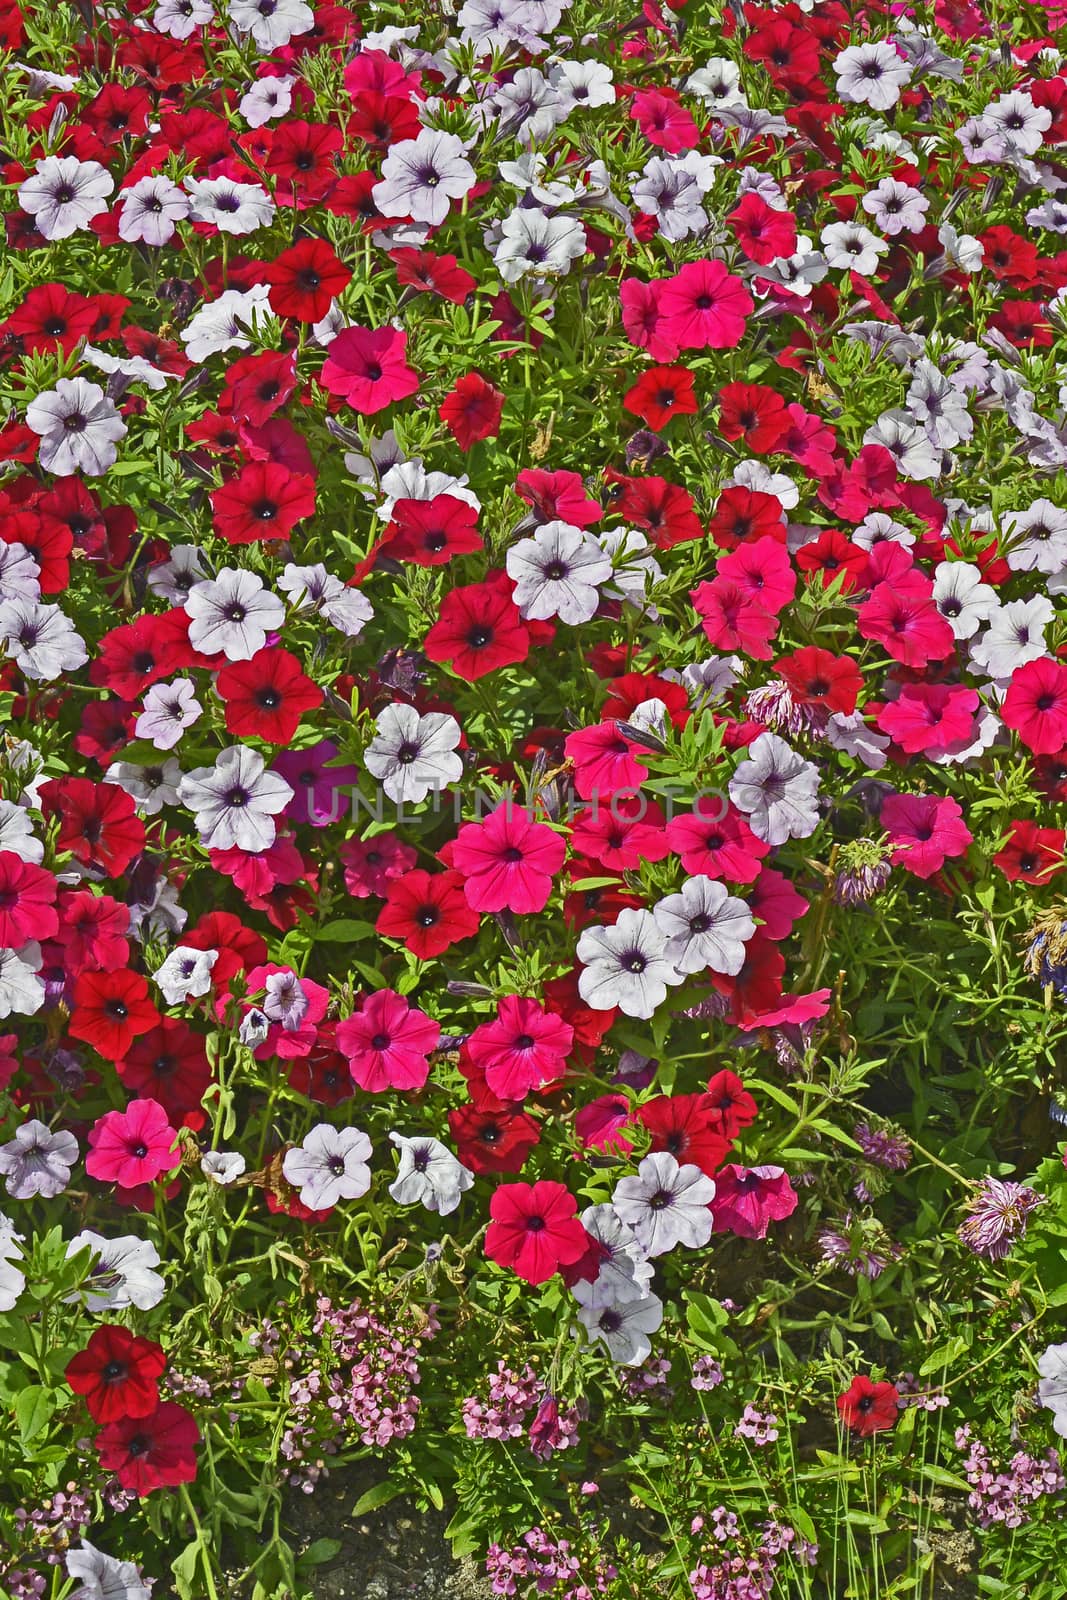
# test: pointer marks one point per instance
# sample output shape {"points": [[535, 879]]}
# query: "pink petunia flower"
{"points": [[924, 830], [749, 1199], [508, 861], [366, 367], [388, 1043], [133, 1146]]}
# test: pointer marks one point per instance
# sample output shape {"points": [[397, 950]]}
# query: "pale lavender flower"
{"points": [[168, 709], [227, 322], [622, 1325], [772, 705], [422, 176], [705, 927], [872, 73], [286, 1002], [429, 1175], [104, 1577], [896, 207], [777, 790], [266, 99], [63, 195], [626, 965], [998, 1212], [236, 208], [412, 755], [884, 1147], [223, 1166], [12, 1280], [121, 1273], [557, 573], [19, 572], [329, 1166], [232, 614], [272, 23], [1052, 1390], [179, 19], [666, 1204], [78, 426], [236, 801], [38, 1160], [151, 209], [41, 640]]}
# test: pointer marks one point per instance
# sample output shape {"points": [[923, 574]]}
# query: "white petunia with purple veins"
{"points": [[777, 791], [666, 1204], [329, 1166], [37, 1161]]}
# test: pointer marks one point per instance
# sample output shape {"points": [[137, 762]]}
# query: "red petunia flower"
{"points": [[366, 367], [381, 120], [262, 501], [763, 232], [117, 1374], [867, 1407], [1031, 854], [817, 677], [431, 532], [472, 410], [152, 1452], [27, 902], [689, 1127], [258, 385], [51, 317], [266, 696], [131, 658], [535, 1229], [133, 1146], [305, 279], [491, 1136], [303, 158], [427, 911], [111, 1009], [479, 630], [49, 542], [660, 394], [440, 275], [97, 822], [169, 1064], [753, 412], [732, 1103]]}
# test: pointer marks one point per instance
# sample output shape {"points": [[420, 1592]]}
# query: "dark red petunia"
{"points": [[303, 158], [733, 1105], [152, 1452], [491, 1136], [117, 1374], [441, 275], [262, 501], [131, 658], [97, 822], [169, 1064], [305, 279], [472, 410], [259, 385], [111, 1009], [753, 412], [266, 696], [817, 677], [381, 120], [867, 1407], [51, 317], [1031, 854]]}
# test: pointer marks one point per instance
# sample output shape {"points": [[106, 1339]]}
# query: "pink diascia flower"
{"points": [[132, 1146], [524, 1048], [749, 1199], [508, 861], [388, 1043], [924, 831]]}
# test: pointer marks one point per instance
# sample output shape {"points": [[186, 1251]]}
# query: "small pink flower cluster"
{"points": [[747, 1574], [1005, 1497], [754, 1425], [504, 1412], [651, 1374], [549, 1565], [43, 1534], [707, 1373]]}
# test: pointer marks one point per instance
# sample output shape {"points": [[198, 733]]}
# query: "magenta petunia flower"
{"points": [[366, 367], [924, 831], [388, 1043], [508, 861], [749, 1199], [132, 1146]]}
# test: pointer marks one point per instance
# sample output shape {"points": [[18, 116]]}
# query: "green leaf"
{"points": [[380, 1495], [462, 1533], [947, 1480], [33, 1412], [320, 1551], [344, 930]]}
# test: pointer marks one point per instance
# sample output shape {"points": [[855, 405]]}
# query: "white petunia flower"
{"points": [[556, 573], [41, 640], [267, 99], [236, 801], [412, 755], [185, 974], [776, 790], [705, 926], [227, 322], [272, 23], [422, 176], [232, 614], [120, 1273], [871, 74], [623, 1325], [79, 428], [63, 195], [223, 1166], [428, 1175], [666, 1204], [626, 965], [236, 208], [150, 210], [329, 1166]]}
